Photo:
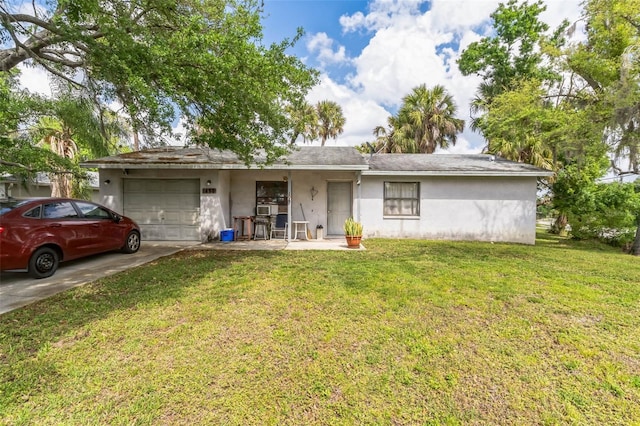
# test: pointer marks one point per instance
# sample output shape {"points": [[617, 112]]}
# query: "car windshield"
{"points": [[8, 205]]}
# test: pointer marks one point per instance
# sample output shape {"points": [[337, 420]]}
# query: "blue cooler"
{"points": [[226, 235]]}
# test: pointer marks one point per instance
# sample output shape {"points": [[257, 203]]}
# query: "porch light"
{"points": [[314, 192], [107, 181], [209, 182]]}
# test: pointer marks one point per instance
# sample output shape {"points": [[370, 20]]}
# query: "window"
{"points": [[271, 193], [33, 213], [7, 206], [91, 211], [59, 211], [402, 199]]}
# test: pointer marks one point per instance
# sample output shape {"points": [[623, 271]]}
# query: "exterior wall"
{"points": [[235, 193], [456, 208], [213, 218], [17, 190], [243, 192], [453, 208]]}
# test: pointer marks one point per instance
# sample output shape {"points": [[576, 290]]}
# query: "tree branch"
{"points": [[33, 20], [18, 165], [59, 74], [60, 60]]}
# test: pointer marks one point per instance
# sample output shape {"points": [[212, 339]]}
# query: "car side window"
{"points": [[34, 213], [92, 211], [60, 210]]}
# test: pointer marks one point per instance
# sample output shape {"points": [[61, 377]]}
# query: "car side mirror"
{"points": [[117, 218]]}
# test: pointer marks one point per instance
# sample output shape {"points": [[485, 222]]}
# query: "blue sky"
{"points": [[372, 53], [315, 16]]}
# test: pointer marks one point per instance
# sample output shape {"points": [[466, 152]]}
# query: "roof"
{"points": [[322, 158], [302, 158], [449, 165]]}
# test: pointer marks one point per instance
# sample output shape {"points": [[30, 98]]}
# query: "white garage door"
{"points": [[165, 209]]}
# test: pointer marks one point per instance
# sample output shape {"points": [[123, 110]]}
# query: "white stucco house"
{"points": [[194, 193], [39, 186]]}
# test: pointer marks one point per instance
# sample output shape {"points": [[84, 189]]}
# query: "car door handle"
{"points": [[55, 225]]}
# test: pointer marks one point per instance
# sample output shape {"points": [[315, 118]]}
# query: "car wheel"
{"points": [[132, 243], [43, 263]]}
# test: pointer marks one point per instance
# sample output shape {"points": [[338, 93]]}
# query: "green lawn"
{"points": [[407, 332]]}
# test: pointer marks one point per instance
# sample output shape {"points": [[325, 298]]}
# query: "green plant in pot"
{"points": [[353, 232]]}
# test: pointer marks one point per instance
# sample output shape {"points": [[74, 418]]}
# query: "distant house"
{"points": [[40, 186], [194, 193]]}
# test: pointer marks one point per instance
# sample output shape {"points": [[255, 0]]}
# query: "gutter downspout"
{"points": [[289, 185], [359, 194]]}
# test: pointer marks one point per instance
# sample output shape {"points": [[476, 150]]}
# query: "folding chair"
{"points": [[281, 225]]}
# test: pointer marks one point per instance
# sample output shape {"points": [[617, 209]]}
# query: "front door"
{"points": [[339, 203]]}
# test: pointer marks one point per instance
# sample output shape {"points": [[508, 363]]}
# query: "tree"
{"points": [[564, 106], [73, 130], [428, 117], [604, 211], [609, 61], [331, 121], [513, 53], [425, 121], [607, 65], [201, 61], [304, 121], [18, 155], [390, 140], [511, 62]]}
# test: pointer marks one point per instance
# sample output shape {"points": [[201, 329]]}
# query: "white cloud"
{"points": [[406, 48], [36, 80], [322, 46], [353, 23], [397, 59], [462, 146], [461, 15], [361, 114]]}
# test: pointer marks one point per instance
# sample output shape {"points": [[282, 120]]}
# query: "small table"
{"points": [[240, 225], [296, 225]]}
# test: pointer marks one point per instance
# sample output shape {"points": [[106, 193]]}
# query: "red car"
{"points": [[37, 234]]}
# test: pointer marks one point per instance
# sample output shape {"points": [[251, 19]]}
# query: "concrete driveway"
{"points": [[17, 289]]}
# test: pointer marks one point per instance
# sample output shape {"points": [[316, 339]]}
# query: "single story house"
{"points": [[194, 193], [39, 186]]}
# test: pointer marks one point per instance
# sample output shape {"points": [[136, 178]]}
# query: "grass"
{"points": [[407, 332]]}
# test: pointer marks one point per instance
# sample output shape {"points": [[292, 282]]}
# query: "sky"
{"points": [[372, 53]]}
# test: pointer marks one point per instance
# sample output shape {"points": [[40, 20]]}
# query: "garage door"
{"points": [[165, 209]]}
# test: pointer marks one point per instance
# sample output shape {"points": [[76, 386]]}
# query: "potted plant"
{"points": [[353, 232]]}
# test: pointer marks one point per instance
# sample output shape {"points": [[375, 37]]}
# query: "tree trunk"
{"points": [[635, 248], [560, 225], [136, 141], [61, 185]]}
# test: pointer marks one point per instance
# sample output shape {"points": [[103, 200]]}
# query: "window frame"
{"points": [[106, 215], [280, 198], [45, 212], [414, 214]]}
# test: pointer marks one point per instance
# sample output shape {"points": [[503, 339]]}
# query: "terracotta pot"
{"points": [[353, 242]]}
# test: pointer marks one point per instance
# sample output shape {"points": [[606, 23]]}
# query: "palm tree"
{"points": [[304, 121], [392, 139], [59, 138], [75, 127], [330, 120], [427, 120]]}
